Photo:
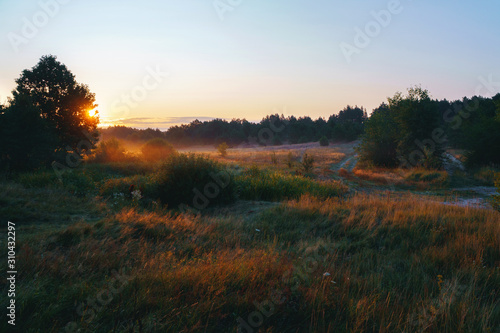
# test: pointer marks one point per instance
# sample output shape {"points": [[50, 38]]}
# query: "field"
{"points": [[336, 247]]}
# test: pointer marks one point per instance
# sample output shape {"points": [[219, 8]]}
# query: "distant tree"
{"points": [[348, 124], [222, 149], [157, 149], [62, 101], [323, 141], [111, 150]]}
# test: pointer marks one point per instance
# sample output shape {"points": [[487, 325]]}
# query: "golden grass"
{"points": [[396, 263], [324, 157]]}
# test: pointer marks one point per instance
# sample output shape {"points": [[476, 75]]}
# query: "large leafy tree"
{"points": [[418, 118], [61, 100], [406, 132], [47, 118], [380, 140]]}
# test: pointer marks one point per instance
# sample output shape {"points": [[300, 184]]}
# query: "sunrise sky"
{"points": [[252, 58]]}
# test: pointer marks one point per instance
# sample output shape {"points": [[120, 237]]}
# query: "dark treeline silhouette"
{"points": [[275, 129]]}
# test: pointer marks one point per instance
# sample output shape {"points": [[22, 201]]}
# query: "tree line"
{"points": [[51, 119], [274, 129]]}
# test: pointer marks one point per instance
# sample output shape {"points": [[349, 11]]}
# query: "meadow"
{"points": [[277, 246]]}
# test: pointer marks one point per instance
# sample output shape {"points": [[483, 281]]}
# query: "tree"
{"points": [[405, 132], [64, 103], [480, 131], [110, 150], [380, 140], [222, 149], [307, 163], [157, 149], [348, 124], [323, 141], [417, 118]]}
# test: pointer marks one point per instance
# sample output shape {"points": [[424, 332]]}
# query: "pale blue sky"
{"points": [[264, 55]]}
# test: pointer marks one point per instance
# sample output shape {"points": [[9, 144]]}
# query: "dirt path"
{"points": [[349, 163]]}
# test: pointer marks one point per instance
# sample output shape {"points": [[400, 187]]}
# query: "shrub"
{"points": [[344, 173], [156, 150], [193, 180], [324, 141], [307, 163], [123, 187], [222, 149], [110, 150]]}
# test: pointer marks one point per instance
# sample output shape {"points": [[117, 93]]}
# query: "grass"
{"points": [[273, 186], [316, 259]]}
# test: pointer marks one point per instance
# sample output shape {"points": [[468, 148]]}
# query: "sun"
{"points": [[92, 113]]}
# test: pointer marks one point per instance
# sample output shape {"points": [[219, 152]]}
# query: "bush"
{"points": [[344, 173], [307, 163], [194, 181], [156, 150], [222, 149], [110, 150], [324, 141], [122, 187]]}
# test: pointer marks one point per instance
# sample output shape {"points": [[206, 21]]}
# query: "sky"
{"points": [[160, 63]]}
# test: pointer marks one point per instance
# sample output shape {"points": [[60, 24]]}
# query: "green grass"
{"points": [[255, 184]]}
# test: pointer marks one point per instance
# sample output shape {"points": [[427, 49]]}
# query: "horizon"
{"points": [[173, 60]]}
